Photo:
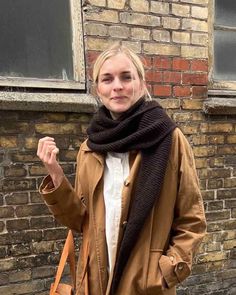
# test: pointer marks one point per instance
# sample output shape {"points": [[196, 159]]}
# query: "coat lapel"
{"points": [[97, 215]]}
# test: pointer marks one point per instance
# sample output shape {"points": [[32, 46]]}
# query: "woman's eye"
{"points": [[127, 77], [106, 80]]}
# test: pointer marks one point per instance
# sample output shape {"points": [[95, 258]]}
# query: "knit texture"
{"points": [[144, 127]]}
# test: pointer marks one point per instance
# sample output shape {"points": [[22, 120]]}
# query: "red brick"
{"points": [[153, 76], [90, 73], [149, 88], [147, 61], [172, 77], [161, 62], [199, 91], [194, 79], [162, 90], [181, 64], [91, 56], [182, 91], [199, 65]]}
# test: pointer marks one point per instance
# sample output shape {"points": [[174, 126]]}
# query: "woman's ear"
{"points": [[143, 87], [94, 90], [97, 91], [98, 94]]}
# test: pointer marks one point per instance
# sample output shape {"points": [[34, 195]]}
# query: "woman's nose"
{"points": [[117, 84]]}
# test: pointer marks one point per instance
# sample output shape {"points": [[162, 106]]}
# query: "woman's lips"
{"points": [[118, 97]]}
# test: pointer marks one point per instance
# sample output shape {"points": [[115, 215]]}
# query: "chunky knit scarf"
{"points": [[144, 127]]}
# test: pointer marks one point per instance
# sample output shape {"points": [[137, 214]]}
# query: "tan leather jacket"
{"points": [[168, 241]]}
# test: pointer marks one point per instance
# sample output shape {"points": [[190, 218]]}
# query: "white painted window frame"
{"points": [[216, 86], [77, 56]]}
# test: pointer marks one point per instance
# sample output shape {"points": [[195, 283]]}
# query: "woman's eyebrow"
{"points": [[105, 74], [109, 74], [126, 72]]}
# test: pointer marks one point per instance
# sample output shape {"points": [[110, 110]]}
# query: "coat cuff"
{"points": [[54, 197], [173, 273], [47, 185]]}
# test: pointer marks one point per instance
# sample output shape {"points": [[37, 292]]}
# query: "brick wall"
{"points": [[172, 39], [30, 238]]}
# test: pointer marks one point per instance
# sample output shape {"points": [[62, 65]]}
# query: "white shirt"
{"points": [[116, 171]]}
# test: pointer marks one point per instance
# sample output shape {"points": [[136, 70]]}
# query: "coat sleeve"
{"points": [[189, 223], [64, 202]]}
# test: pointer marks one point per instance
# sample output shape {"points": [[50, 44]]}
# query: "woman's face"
{"points": [[119, 85]]}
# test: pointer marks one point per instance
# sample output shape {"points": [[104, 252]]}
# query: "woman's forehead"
{"points": [[117, 63]]}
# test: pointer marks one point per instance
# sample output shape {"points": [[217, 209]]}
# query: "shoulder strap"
{"points": [[68, 252]]}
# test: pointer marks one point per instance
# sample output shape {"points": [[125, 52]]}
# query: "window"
{"points": [[223, 45], [41, 44]]}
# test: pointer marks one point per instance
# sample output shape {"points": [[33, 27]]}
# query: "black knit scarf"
{"points": [[144, 127]]}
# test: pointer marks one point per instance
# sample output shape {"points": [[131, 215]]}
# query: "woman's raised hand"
{"points": [[47, 153]]}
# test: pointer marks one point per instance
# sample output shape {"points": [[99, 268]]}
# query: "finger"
{"points": [[47, 150], [53, 155], [49, 147], [43, 154], [42, 142], [44, 147]]}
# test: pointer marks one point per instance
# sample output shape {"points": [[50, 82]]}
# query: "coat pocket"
{"points": [[154, 275]]}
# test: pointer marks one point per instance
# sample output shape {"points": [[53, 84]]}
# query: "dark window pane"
{"points": [[35, 39], [224, 55], [225, 12]]}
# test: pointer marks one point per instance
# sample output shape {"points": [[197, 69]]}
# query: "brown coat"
{"points": [[168, 241]]}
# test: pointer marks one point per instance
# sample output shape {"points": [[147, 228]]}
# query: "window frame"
{"points": [[216, 86], [77, 57]]}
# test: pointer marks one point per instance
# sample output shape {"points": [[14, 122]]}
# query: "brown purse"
{"points": [[58, 288]]}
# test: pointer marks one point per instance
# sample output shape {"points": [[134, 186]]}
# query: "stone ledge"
{"points": [[49, 102], [220, 106]]}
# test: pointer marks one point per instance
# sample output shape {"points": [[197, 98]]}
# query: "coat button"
{"points": [[124, 223], [126, 182], [171, 258], [180, 266]]}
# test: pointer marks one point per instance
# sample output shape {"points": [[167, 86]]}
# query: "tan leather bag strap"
{"points": [[86, 253], [68, 252], [84, 277]]}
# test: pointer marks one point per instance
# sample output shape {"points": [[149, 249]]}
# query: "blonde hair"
{"points": [[114, 50]]}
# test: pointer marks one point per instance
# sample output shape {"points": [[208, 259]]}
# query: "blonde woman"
{"points": [[136, 197]]}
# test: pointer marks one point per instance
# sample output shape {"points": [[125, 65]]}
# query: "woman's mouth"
{"points": [[118, 97]]}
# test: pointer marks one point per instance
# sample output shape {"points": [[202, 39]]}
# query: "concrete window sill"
{"points": [[220, 106], [47, 102]]}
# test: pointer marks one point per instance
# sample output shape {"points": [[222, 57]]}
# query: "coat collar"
{"points": [[84, 146], [98, 156]]}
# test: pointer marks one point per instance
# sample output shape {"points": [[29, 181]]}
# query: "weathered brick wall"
{"points": [[30, 238], [172, 38]]}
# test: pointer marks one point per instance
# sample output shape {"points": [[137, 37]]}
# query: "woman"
{"points": [[136, 197]]}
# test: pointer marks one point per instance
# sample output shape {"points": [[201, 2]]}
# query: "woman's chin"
{"points": [[116, 113]]}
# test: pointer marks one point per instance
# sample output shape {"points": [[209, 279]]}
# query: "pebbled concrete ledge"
{"points": [[220, 106], [50, 102]]}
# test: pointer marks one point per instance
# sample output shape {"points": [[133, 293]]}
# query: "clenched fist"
{"points": [[47, 153]]}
